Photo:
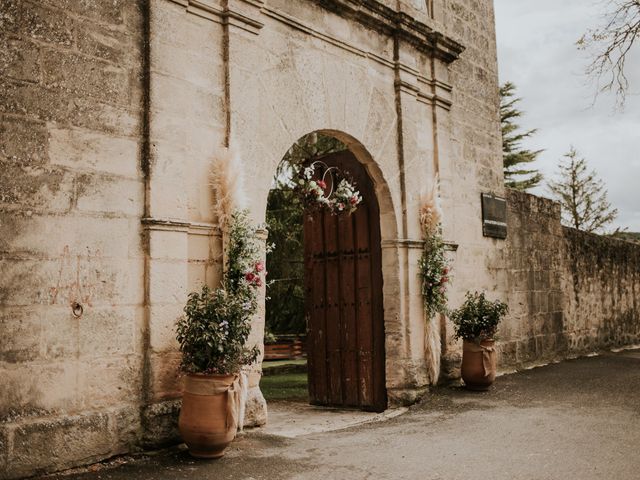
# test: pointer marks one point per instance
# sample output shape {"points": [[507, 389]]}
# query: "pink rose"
{"points": [[322, 184], [259, 267], [353, 200], [250, 277]]}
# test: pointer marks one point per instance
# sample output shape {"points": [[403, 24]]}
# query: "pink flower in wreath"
{"points": [[259, 267], [322, 184], [250, 277], [353, 200]]}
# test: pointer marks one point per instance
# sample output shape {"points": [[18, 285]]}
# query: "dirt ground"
{"points": [[579, 419]]}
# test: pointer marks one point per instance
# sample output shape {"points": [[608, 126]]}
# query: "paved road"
{"points": [[576, 420]]}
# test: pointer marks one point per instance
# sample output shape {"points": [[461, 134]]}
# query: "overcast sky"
{"points": [[536, 51]]}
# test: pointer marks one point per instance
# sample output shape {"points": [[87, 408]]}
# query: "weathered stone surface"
{"points": [[562, 299], [27, 18], [94, 151], [4, 450], [24, 142], [20, 60], [82, 76], [256, 412], [47, 445], [69, 178], [160, 424]]}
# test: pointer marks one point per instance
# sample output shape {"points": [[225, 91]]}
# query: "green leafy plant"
{"points": [[434, 273], [216, 324], [434, 266], [285, 302], [478, 318]]}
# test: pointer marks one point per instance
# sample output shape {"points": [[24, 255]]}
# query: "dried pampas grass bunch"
{"points": [[430, 211], [432, 265], [227, 181]]}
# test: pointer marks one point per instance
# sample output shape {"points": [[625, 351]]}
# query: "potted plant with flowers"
{"points": [[476, 322], [212, 335]]}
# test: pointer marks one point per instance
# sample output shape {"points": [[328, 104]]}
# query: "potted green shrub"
{"points": [[212, 335], [476, 322]]}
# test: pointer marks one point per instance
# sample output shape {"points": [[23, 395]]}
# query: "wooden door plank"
{"points": [[332, 309], [349, 329]]}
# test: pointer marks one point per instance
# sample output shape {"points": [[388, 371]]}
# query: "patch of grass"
{"points": [[277, 363], [287, 386]]}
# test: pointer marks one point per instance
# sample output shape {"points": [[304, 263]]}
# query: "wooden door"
{"points": [[343, 300]]}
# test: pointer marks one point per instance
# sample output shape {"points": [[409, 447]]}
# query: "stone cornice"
{"points": [[418, 244], [371, 13], [382, 18], [211, 10], [183, 226]]}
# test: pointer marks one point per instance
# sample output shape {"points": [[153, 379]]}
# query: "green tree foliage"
{"points": [[285, 214], [518, 173], [582, 195], [610, 44], [285, 263]]}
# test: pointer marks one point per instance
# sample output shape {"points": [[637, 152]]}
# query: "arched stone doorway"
{"points": [[343, 295]]}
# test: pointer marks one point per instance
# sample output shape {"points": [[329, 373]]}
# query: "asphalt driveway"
{"points": [[579, 419]]}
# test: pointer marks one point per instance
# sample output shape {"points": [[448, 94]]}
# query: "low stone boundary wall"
{"points": [[570, 293]]}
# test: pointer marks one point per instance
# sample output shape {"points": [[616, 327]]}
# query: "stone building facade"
{"points": [[110, 114]]}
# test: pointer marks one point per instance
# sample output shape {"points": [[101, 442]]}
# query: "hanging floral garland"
{"points": [[434, 275], [316, 186]]}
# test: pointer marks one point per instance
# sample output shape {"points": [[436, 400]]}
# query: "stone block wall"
{"points": [[71, 198], [601, 282], [533, 264], [569, 292]]}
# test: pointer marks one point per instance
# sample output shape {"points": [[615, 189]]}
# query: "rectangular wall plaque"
{"points": [[494, 216]]}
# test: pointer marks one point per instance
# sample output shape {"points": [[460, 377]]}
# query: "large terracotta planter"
{"points": [[208, 418], [478, 364]]}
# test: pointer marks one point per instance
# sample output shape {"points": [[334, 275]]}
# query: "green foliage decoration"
{"points": [[285, 302], [214, 329], [478, 318], [434, 274]]}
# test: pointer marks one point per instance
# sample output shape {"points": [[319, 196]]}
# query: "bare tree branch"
{"points": [[610, 45]]}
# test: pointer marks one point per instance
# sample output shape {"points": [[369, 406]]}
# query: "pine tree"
{"points": [[582, 195], [516, 159]]}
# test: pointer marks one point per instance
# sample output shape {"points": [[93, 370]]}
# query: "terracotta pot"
{"points": [[208, 419], [478, 364]]}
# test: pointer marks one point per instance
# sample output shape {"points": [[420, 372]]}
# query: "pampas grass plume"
{"points": [[430, 218], [430, 211], [227, 182]]}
